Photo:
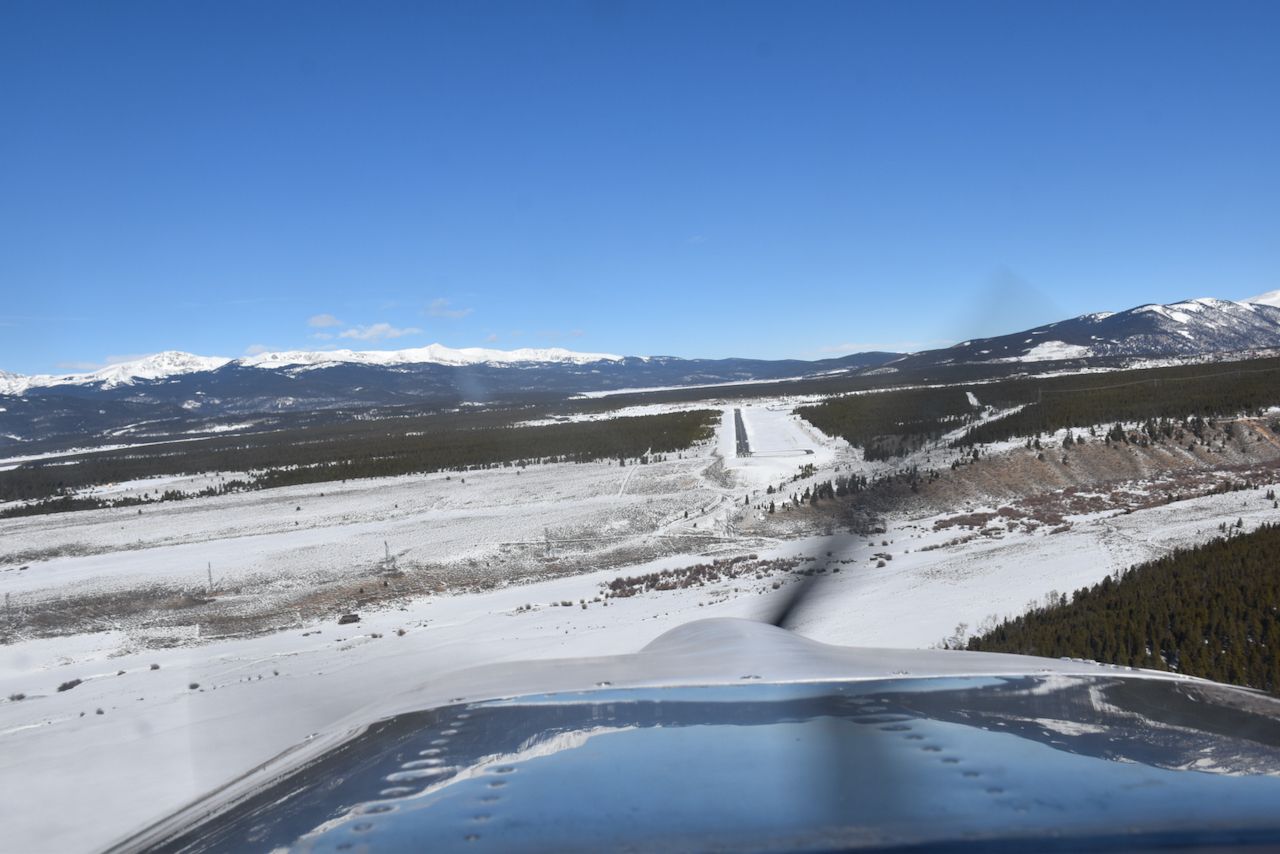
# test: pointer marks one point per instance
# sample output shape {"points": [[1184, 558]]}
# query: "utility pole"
{"points": [[209, 569]]}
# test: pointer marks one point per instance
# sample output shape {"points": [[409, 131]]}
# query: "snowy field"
{"points": [[275, 538], [140, 740]]}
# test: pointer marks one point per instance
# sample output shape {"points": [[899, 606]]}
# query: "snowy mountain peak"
{"points": [[154, 367], [174, 363], [1200, 310], [11, 383], [1183, 328], [1271, 298]]}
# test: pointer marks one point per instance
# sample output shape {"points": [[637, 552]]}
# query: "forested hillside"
{"points": [[1211, 611], [887, 424], [1179, 393], [892, 423]]}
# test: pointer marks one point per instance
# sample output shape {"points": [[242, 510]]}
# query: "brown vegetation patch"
{"points": [[698, 575]]}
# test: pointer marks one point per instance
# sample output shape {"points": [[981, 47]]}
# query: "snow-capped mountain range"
{"points": [[155, 367], [1186, 328], [174, 362], [176, 393], [1183, 328]]}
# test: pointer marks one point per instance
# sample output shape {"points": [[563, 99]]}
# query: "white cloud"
{"points": [[322, 336], [322, 321], [440, 308], [491, 338], [378, 332], [256, 349]]}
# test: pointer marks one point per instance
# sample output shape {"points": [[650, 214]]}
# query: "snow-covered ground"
{"points": [[485, 518], [621, 412], [139, 742], [7, 463]]}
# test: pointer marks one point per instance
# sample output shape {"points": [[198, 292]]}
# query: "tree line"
{"points": [[1210, 611], [894, 423], [1177, 394], [891, 424]]}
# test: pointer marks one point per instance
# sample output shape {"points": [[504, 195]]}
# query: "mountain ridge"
{"points": [[1152, 330], [1269, 298], [170, 363], [1186, 327], [176, 393]]}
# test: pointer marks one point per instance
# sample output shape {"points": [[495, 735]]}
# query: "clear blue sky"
{"points": [[688, 178]]}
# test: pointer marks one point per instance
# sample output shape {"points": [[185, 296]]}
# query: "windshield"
{"points": [[347, 347]]}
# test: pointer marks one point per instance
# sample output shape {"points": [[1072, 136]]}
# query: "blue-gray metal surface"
{"points": [[1084, 761]]}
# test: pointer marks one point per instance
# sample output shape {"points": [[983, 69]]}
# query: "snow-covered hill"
{"points": [[159, 366], [1186, 328], [1269, 298]]}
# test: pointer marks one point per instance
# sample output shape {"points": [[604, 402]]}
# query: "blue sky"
{"points": [[698, 179]]}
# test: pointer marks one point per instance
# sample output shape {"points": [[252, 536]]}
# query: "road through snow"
{"points": [[780, 441]]}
